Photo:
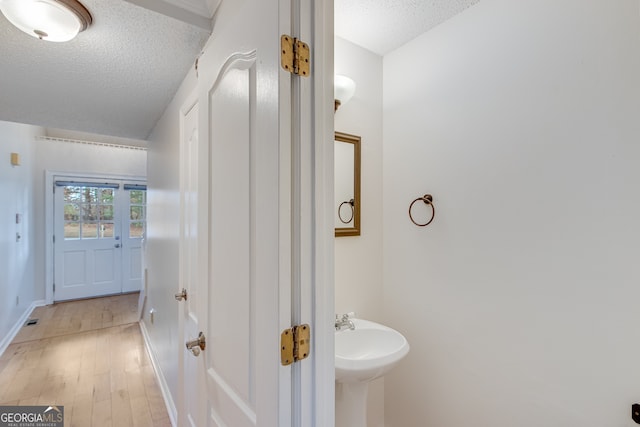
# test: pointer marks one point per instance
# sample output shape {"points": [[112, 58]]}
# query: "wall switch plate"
{"points": [[15, 159]]}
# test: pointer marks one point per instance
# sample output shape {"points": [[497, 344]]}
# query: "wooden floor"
{"points": [[88, 356]]}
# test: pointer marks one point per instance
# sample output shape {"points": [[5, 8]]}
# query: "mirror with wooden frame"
{"points": [[347, 184]]}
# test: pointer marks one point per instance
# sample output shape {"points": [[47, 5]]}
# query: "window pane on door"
{"points": [[106, 229], [71, 230], [71, 212], [90, 194], [89, 230], [136, 229], [72, 194], [138, 197], [106, 196], [89, 212], [106, 213], [137, 213]]}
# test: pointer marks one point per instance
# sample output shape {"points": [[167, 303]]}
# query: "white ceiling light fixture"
{"points": [[343, 90], [51, 20]]}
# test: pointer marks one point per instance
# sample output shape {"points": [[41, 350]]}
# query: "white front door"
{"points": [[95, 241], [250, 254]]}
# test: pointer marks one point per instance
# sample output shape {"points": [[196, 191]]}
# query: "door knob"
{"points": [[182, 295], [197, 345], [117, 245]]}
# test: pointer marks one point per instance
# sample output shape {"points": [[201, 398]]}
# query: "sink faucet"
{"points": [[343, 322]]}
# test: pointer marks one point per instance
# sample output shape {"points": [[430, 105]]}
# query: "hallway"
{"points": [[88, 356]]}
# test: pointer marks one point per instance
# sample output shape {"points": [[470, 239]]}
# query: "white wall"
{"points": [[358, 267], [163, 207], [358, 259], [74, 157], [520, 301], [16, 197]]}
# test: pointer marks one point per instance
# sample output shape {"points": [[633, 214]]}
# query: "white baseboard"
{"points": [[20, 322], [166, 394]]}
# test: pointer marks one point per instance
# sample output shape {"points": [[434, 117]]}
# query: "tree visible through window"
{"points": [[137, 213], [88, 212]]}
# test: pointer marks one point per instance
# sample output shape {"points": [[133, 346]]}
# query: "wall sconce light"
{"points": [[343, 90], [51, 20]]}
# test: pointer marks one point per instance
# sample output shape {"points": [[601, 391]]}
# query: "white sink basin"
{"points": [[367, 352]]}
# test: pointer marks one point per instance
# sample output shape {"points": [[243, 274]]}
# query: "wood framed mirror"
{"points": [[346, 184]]}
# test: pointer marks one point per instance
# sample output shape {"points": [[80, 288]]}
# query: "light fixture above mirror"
{"points": [[343, 90], [50, 20]]}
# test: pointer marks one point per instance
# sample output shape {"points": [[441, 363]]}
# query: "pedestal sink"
{"points": [[363, 354]]}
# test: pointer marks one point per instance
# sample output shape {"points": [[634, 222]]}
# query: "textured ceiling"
{"points": [[384, 25], [116, 78], [201, 7]]}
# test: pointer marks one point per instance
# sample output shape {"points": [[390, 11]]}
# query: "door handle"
{"points": [[117, 245], [197, 345], [182, 295]]}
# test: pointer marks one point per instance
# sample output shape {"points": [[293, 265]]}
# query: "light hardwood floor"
{"points": [[88, 356]]}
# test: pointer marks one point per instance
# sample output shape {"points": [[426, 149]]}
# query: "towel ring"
{"points": [[427, 199], [346, 202]]}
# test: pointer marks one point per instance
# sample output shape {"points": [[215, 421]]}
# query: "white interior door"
{"points": [[248, 229], [89, 247], [243, 252], [237, 270]]}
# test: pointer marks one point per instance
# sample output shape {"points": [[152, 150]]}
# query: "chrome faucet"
{"points": [[343, 322]]}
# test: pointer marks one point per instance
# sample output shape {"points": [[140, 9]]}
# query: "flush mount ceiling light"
{"points": [[51, 20], [343, 90]]}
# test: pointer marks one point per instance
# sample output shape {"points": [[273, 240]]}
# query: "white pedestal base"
{"points": [[351, 404]]}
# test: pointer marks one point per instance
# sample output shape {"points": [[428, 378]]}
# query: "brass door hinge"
{"points": [[294, 344], [294, 56]]}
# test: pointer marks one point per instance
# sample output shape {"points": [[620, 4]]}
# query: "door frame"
{"points": [[322, 294], [49, 226], [184, 163]]}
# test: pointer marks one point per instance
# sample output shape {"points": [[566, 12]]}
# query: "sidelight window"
{"points": [[137, 211]]}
